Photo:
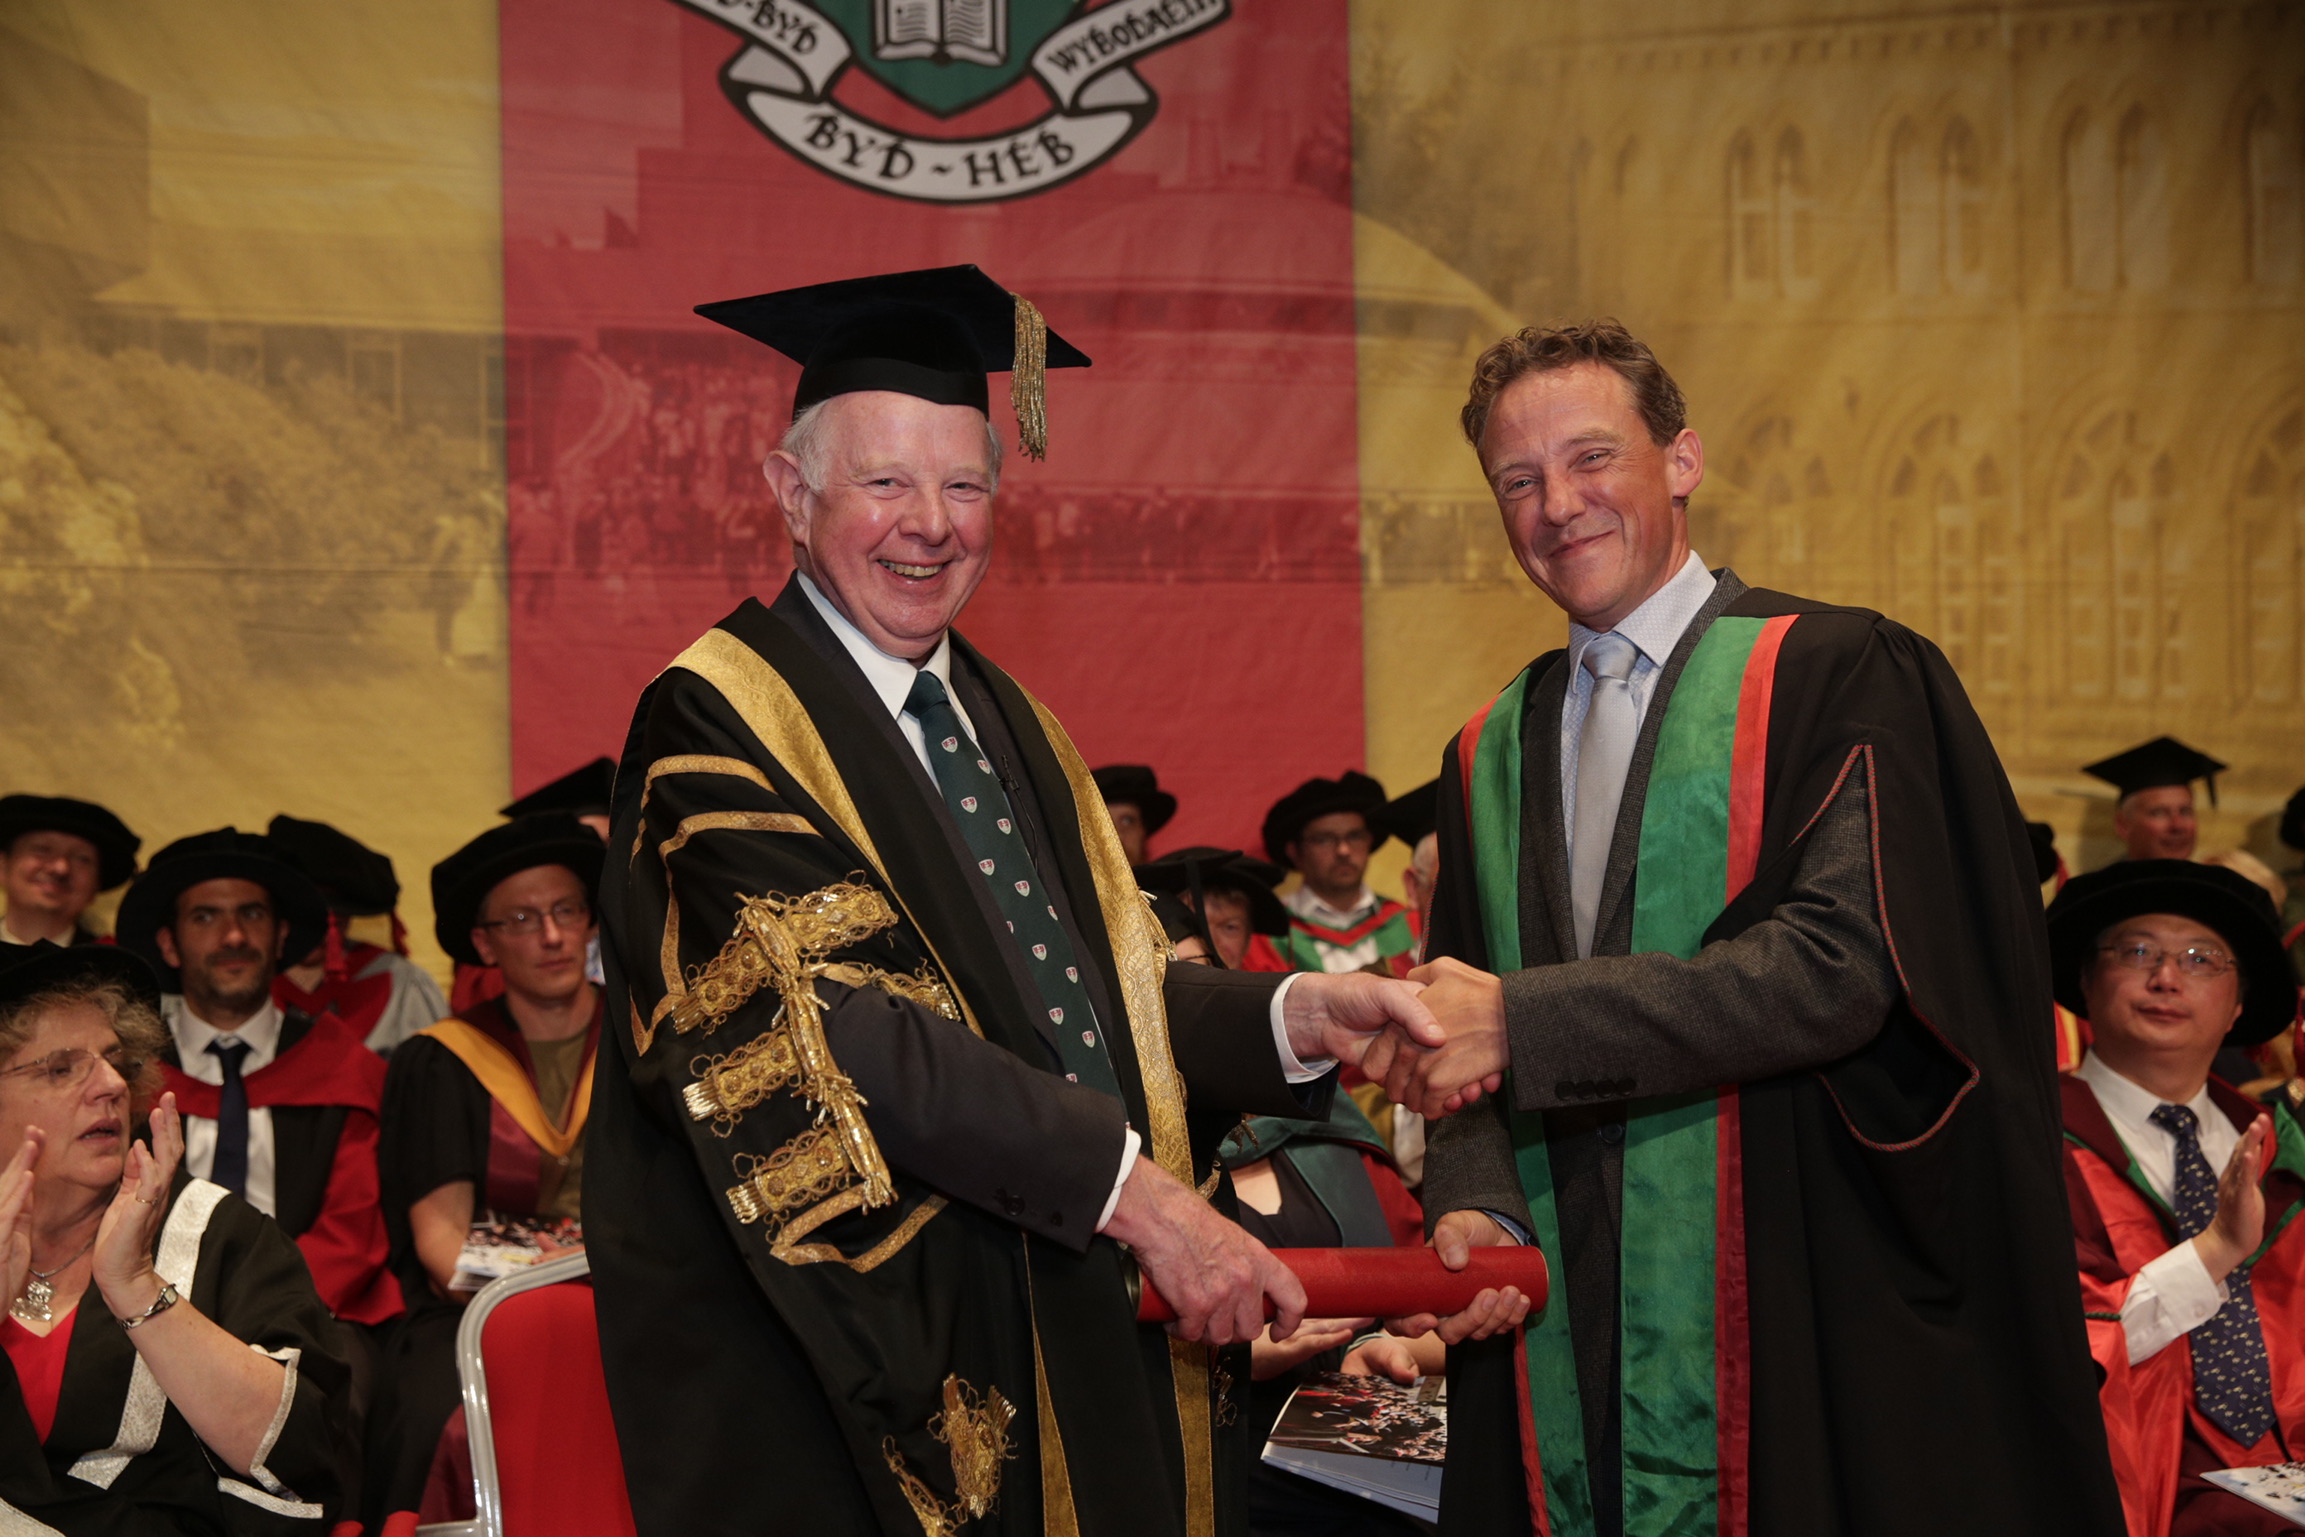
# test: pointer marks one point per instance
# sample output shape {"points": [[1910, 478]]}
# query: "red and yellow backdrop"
{"points": [[360, 456]]}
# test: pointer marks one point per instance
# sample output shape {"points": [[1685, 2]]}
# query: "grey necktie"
{"points": [[1603, 753]]}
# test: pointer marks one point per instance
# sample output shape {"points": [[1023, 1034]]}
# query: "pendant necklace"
{"points": [[31, 1304]]}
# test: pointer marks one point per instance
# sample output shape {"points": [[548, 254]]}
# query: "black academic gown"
{"points": [[1917, 1355], [786, 1347], [120, 1461]]}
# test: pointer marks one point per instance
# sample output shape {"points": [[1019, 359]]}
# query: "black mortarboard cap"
{"points": [[933, 333], [1317, 798], [579, 792], [2162, 761]]}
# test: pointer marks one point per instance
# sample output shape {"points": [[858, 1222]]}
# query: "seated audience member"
{"points": [[56, 854], [380, 993], [1137, 804], [169, 1367], [484, 1114], [1323, 830], [2154, 817], [581, 793], [2184, 1193], [1233, 894], [280, 1108], [1320, 1185], [1410, 818]]}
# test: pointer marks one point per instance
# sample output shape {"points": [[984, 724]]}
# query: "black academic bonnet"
{"points": [[116, 846], [225, 854], [2043, 837], [586, 791], [1411, 817], [351, 875], [2223, 900], [1205, 868], [1176, 919], [2154, 765], [1134, 784], [2293, 822], [1317, 798], [34, 968], [461, 882]]}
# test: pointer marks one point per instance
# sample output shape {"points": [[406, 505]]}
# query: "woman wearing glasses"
{"points": [[169, 1366], [483, 1114]]}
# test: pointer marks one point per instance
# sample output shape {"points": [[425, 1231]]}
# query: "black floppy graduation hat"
{"points": [[1411, 817], [225, 854], [1206, 868], [1316, 798], [461, 882], [1134, 784], [2152, 765], [584, 791], [2293, 822], [116, 846], [933, 333], [2043, 837], [32, 968], [2227, 901], [351, 875]]}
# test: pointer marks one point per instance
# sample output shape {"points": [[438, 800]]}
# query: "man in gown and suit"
{"points": [[1734, 893], [900, 1057]]}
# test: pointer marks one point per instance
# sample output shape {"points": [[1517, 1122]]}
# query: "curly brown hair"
{"points": [[135, 1023], [1541, 349]]}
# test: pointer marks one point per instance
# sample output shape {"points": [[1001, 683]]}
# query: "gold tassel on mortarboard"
{"points": [[1028, 380]]}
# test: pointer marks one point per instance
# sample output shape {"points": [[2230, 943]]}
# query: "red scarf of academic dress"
{"points": [[346, 1247], [521, 1132]]}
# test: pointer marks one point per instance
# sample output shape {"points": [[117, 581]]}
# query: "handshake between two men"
{"points": [[1437, 1043]]}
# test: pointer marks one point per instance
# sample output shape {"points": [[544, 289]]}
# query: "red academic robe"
{"points": [[2118, 1226], [357, 1000], [326, 1191]]}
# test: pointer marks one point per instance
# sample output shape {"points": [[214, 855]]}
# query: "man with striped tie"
{"points": [[2184, 1190]]}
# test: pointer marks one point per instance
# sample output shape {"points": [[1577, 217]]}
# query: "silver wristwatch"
{"points": [[168, 1298]]}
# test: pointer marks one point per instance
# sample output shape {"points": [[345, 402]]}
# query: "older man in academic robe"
{"points": [[901, 1060]]}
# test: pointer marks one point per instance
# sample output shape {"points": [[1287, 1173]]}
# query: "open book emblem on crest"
{"points": [[972, 30], [945, 57]]}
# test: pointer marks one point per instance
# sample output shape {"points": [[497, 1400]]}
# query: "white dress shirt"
{"points": [[262, 1033], [891, 678], [1654, 628], [2172, 1295]]}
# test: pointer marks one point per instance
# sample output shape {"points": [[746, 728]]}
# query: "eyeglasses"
{"points": [[1359, 838], [2197, 962], [524, 921], [68, 1069]]}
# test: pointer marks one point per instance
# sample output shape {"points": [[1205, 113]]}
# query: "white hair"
{"points": [[805, 441]]}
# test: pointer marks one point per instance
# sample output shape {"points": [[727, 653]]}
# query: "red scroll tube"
{"points": [[1388, 1283]]}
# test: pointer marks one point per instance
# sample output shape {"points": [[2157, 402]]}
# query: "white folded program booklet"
{"points": [[1371, 1436], [2278, 1486]]}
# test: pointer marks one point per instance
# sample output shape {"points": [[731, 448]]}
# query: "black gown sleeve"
{"points": [[435, 1133]]}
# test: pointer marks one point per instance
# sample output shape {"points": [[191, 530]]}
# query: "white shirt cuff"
{"points": [[1514, 1229], [2171, 1296], [1130, 1142], [1291, 1069]]}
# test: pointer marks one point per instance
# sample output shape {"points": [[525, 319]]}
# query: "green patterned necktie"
{"points": [[988, 826]]}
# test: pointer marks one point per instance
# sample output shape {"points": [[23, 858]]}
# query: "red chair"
{"points": [[544, 1457]]}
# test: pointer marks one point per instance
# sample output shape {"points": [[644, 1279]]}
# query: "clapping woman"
{"points": [[168, 1366]]}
